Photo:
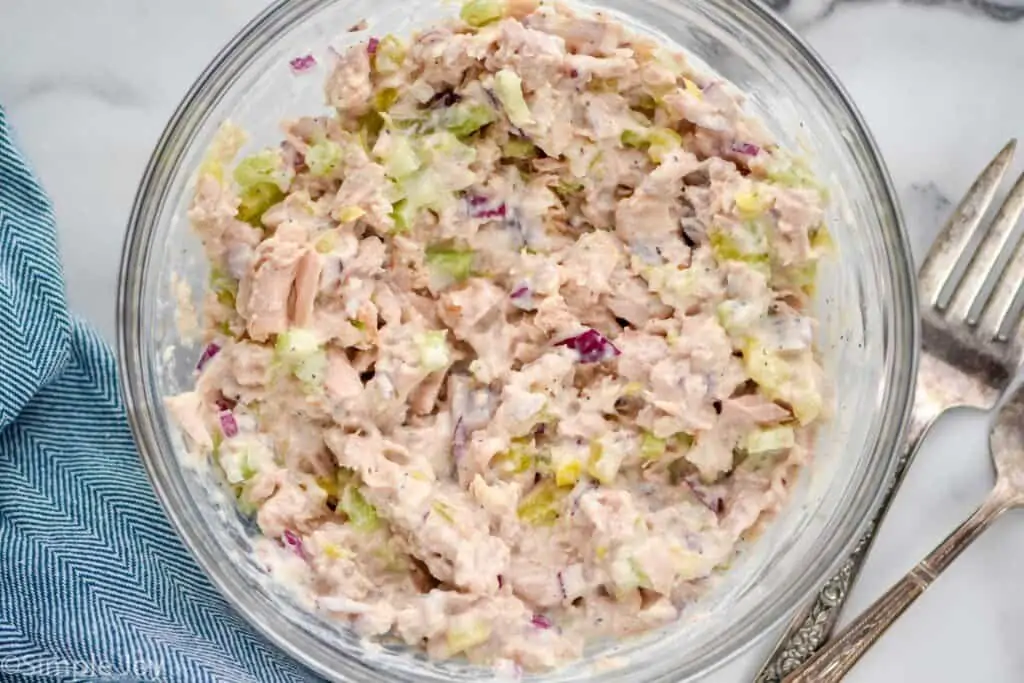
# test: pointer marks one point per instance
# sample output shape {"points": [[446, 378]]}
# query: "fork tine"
{"points": [[993, 317], [984, 259], [960, 228]]}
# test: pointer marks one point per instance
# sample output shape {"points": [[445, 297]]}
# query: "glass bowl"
{"points": [[866, 305]]}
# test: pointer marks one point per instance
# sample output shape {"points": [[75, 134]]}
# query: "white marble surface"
{"points": [[89, 84]]}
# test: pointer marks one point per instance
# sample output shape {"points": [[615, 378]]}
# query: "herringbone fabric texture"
{"points": [[94, 584]]}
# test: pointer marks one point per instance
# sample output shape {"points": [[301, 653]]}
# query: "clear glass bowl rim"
{"points": [[142, 407]]}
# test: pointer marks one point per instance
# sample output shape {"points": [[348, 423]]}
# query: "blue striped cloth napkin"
{"points": [[94, 584]]}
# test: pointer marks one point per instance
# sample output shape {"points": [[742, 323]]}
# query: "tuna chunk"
{"points": [[348, 88]]}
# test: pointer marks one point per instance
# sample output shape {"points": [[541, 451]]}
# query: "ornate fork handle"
{"points": [[811, 627], [836, 659]]}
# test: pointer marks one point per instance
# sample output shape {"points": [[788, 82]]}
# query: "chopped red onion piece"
{"points": [[591, 346], [228, 425], [522, 297], [302, 63], [292, 541], [479, 206], [748, 148], [541, 621], [209, 352], [501, 582], [372, 45]]}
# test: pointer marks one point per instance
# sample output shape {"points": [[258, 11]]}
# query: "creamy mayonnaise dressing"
{"points": [[513, 350]]}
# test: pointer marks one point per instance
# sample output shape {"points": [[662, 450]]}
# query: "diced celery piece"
{"points": [[361, 514], [434, 352], [651, 447], [749, 203], [450, 262], [604, 462], [223, 286], [518, 148], [769, 370], [783, 380], [769, 440], [254, 201], [566, 188], [246, 470], [444, 510], [677, 288], [465, 633], [688, 564], [465, 118], [508, 86], [404, 215], [662, 142], [300, 351], [329, 485], [794, 172], [401, 160], [658, 142], [477, 13], [747, 243], [384, 98], [604, 85], [327, 242], [444, 145], [423, 189], [312, 370], [217, 438], [265, 166], [634, 138], [347, 214], [568, 473], [821, 240], [633, 389], [540, 506], [566, 461], [324, 157], [389, 56], [334, 552], [517, 459], [259, 177], [244, 504], [370, 126], [643, 580], [296, 344]]}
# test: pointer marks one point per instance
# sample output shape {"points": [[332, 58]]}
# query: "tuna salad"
{"points": [[512, 351]]}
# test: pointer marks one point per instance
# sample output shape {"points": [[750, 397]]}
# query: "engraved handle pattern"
{"points": [[811, 628], [837, 658]]}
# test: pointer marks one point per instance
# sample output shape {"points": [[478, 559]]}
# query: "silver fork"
{"points": [[1006, 442], [965, 361]]}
